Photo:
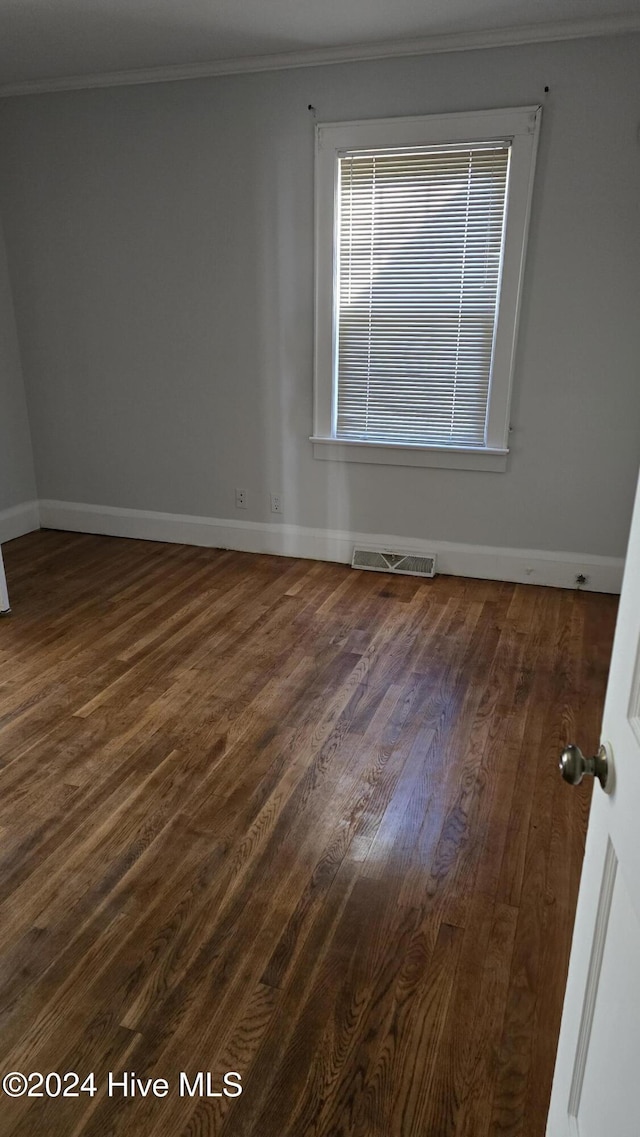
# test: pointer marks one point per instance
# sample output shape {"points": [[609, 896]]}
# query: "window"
{"points": [[420, 237]]}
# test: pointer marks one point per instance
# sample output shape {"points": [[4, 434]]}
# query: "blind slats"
{"points": [[419, 256]]}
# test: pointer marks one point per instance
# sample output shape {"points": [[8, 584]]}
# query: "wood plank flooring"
{"points": [[286, 819]]}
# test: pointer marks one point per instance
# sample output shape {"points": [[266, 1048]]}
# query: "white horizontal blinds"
{"points": [[419, 254]]}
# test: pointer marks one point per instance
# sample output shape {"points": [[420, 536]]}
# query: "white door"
{"points": [[596, 1087], [4, 595]]}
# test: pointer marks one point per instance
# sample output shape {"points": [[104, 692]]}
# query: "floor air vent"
{"points": [[409, 564]]}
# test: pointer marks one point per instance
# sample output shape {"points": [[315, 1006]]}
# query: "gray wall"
{"points": [[17, 481], [161, 247]]}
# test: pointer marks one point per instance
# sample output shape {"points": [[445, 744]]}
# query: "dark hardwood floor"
{"points": [[286, 819]]}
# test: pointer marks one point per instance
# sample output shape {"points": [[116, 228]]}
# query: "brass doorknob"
{"points": [[574, 765]]}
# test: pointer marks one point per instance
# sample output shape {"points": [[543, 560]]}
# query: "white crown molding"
{"points": [[350, 53], [18, 520], [524, 566]]}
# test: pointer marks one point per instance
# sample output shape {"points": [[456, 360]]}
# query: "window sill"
{"points": [[391, 454]]}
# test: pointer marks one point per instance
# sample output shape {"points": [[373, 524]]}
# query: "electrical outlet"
{"points": [[241, 499], [276, 503]]}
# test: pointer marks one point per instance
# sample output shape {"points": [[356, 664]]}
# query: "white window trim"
{"points": [[521, 126]]}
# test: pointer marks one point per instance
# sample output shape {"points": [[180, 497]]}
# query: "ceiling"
{"points": [[45, 42]]}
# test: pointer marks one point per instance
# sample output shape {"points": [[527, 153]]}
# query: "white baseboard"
{"points": [[526, 566], [18, 520]]}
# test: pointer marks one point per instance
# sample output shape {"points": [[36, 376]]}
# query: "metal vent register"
{"points": [[408, 564]]}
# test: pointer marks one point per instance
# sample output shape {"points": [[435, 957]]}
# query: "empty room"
{"points": [[319, 568]]}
